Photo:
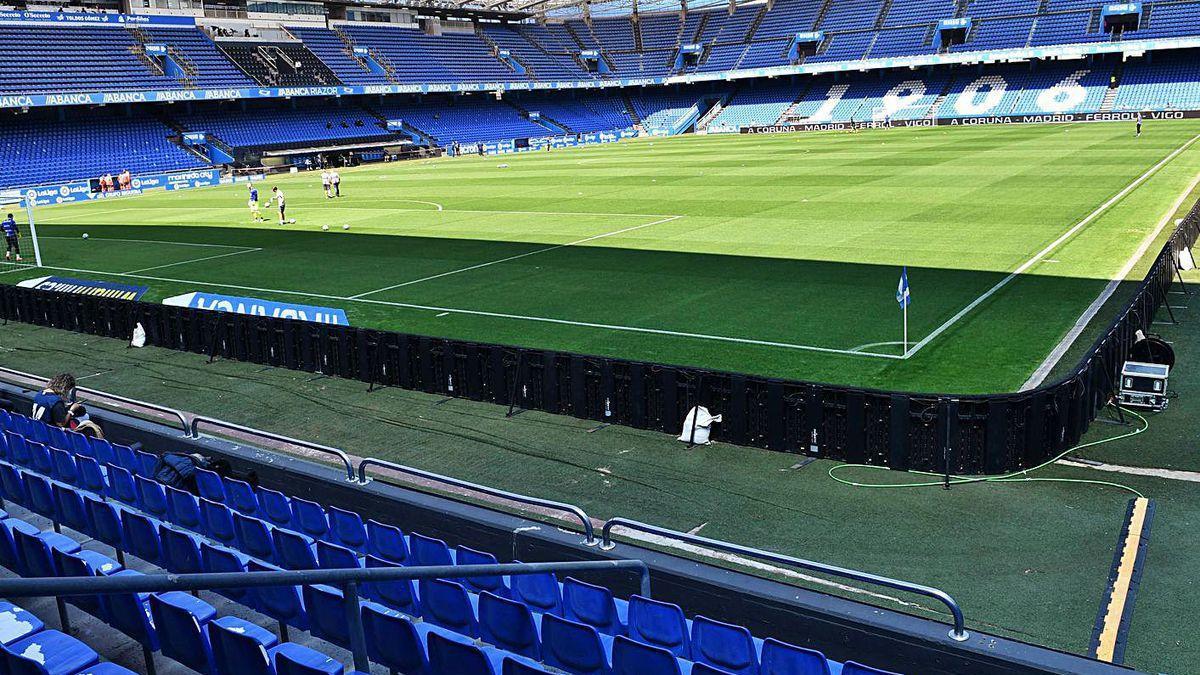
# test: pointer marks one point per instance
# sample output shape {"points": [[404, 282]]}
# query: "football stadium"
{"points": [[599, 337]]}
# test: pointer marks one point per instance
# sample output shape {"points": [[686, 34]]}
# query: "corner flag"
{"points": [[904, 298]]}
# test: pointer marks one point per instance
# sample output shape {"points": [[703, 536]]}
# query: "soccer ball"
{"points": [[85, 235], [324, 228], [345, 227]]}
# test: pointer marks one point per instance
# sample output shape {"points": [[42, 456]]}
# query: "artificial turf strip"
{"points": [[794, 239], [1025, 560]]}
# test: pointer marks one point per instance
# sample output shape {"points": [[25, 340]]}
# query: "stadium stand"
{"points": [[74, 58], [336, 54], [1171, 81], [278, 63], [266, 126], [466, 120], [100, 495], [208, 65], [582, 112], [42, 149]]}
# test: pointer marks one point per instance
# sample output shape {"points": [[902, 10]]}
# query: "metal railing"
{"points": [[347, 464], [588, 530], [347, 580], [183, 420], [958, 633]]}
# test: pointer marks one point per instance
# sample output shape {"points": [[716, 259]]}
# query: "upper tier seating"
{"points": [[334, 53], [53, 59], [474, 626], [40, 150], [279, 64], [213, 68], [417, 57]]}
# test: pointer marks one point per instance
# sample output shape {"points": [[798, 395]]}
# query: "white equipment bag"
{"points": [[697, 426]]}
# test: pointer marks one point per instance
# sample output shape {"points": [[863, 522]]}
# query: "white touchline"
{"points": [[155, 241], [195, 260], [510, 258], [497, 315], [1046, 251], [1084, 319]]}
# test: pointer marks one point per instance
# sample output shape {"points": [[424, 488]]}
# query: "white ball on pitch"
{"points": [[345, 227], [325, 228], [85, 235]]}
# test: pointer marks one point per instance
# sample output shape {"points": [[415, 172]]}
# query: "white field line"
{"points": [[1046, 251], [1084, 319], [545, 249], [495, 315], [155, 241], [18, 268], [195, 260]]}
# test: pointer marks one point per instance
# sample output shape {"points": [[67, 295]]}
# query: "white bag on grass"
{"points": [[697, 425]]}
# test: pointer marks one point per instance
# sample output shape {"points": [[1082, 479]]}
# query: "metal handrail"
{"points": [[183, 420], [347, 463], [958, 633], [588, 530], [346, 579]]}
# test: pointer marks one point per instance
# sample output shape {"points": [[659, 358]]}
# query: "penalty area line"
{"points": [[154, 241], [510, 258], [195, 260], [1037, 257], [495, 315]]}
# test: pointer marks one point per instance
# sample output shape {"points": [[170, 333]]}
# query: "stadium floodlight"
{"points": [[22, 209]]}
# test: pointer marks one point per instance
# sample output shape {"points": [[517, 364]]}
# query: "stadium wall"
{"points": [[975, 434]]}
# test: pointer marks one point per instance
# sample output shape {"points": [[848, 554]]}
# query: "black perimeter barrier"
{"points": [[969, 434]]}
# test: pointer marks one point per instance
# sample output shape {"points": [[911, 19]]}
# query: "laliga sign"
{"points": [[257, 307]]}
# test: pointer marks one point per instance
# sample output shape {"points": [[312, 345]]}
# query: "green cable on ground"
{"points": [[1017, 476]]}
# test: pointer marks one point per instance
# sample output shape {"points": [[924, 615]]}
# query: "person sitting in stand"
{"points": [[50, 406]]}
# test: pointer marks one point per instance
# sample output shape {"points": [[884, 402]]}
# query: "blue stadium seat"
{"points": [[180, 549], [327, 614], [282, 603], [660, 624], [447, 604], [240, 647], [140, 533], [346, 529], [209, 486], [399, 595], [39, 455], [65, 468], [540, 591], [393, 641], [240, 496], [309, 518], [215, 558], [183, 509], [151, 497], [492, 584], [17, 623], [780, 658], [386, 542], [254, 537], [130, 614], [451, 654], [575, 647], [48, 652], [218, 522], [332, 556], [71, 508], [275, 507], [91, 475], [294, 551], [427, 552], [634, 658], [724, 645], [35, 551], [292, 659], [509, 625], [121, 485], [106, 523], [594, 605], [41, 496], [10, 555], [182, 623]]}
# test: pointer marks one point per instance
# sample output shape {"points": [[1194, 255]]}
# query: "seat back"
{"points": [[492, 584], [254, 537], [121, 486], [275, 507], [218, 522], [106, 521], [327, 614], [310, 518], [181, 550], [399, 594], [282, 603], [724, 645], [392, 641], [448, 656], [141, 537], [209, 485], [634, 658], [386, 542], [781, 658], [346, 529], [238, 652], [447, 604], [65, 468], [74, 565], [591, 604], [183, 636], [331, 556], [427, 551], [661, 624], [151, 496], [71, 509], [91, 478], [294, 551], [508, 625], [183, 509], [240, 496], [41, 496], [540, 591], [127, 613], [573, 646]]}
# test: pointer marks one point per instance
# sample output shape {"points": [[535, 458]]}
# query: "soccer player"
{"points": [[325, 184], [335, 179], [12, 237], [1138, 133], [282, 205], [255, 214]]}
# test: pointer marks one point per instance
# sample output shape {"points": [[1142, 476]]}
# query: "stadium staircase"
{"points": [[553, 125], [758, 19], [345, 580], [349, 45], [884, 8], [630, 110], [941, 98], [574, 36], [636, 25], [1114, 85], [720, 105]]}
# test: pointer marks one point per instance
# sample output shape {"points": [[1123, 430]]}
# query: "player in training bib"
{"points": [[255, 214], [12, 238]]}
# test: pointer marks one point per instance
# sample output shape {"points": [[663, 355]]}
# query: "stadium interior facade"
{"points": [[186, 93]]}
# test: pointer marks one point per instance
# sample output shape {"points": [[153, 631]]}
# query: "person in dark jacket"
{"points": [[52, 405]]}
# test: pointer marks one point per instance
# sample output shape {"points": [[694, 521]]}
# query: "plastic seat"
{"points": [[105, 518], [540, 591], [18, 623], [18, 449], [121, 486], [282, 603], [394, 641], [254, 537], [634, 658], [781, 658], [447, 604], [856, 668], [80, 445], [91, 475], [152, 497], [130, 614], [331, 556], [140, 533], [240, 647], [239, 496], [105, 453], [183, 509], [275, 507], [41, 496], [127, 459], [65, 468], [660, 624], [220, 559], [182, 623], [726, 646], [147, 462], [593, 605], [386, 542], [71, 509], [346, 529], [515, 667], [427, 552], [39, 456], [218, 522], [294, 551], [326, 614], [575, 647], [13, 484], [293, 659], [399, 595], [49, 652], [491, 584], [35, 553], [180, 550], [454, 655], [509, 625], [209, 485], [309, 518]]}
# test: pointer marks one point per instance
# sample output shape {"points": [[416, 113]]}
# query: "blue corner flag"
{"points": [[902, 295]]}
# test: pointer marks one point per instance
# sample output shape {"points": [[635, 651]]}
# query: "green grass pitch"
{"points": [[775, 255]]}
